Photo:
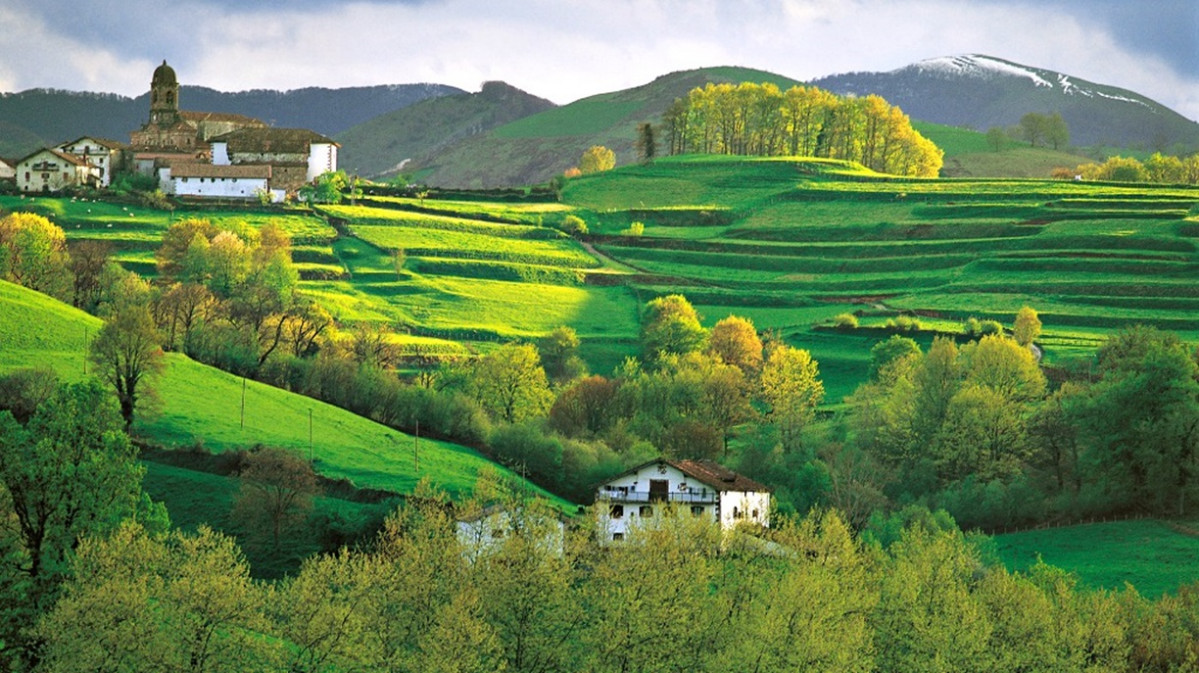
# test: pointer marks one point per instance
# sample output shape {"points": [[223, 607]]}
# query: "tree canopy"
{"points": [[760, 120]]}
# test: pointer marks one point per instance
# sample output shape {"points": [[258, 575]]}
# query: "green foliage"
{"points": [[68, 473], [670, 325], [903, 323], [33, 253], [510, 383], [127, 355], [792, 387], [574, 225], [845, 321], [761, 120], [596, 159]]}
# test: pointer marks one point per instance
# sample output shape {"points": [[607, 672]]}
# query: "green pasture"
{"points": [[199, 404], [194, 498], [1151, 555], [136, 227]]}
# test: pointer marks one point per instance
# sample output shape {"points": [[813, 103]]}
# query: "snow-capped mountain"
{"points": [[982, 91]]}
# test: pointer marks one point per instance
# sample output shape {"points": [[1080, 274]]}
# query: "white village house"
{"points": [[103, 154], [50, 170], [701, 487], [483, 531]]}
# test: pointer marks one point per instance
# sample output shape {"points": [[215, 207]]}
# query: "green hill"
{"points": [[541, 146], [200, 404], [383, 145], [967, 155]]}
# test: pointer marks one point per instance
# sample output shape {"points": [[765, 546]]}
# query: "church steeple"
{"points": [[164, 96]]}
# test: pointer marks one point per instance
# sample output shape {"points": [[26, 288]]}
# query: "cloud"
{"points": [[567, 50]]}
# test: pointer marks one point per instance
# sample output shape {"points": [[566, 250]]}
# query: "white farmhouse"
{"points": [[223, 182], [105, 155], [47, 171], [8, 170], [702, 487], [483, 531]]}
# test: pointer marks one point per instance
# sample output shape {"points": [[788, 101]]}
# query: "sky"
{"points": [[564, 50]]}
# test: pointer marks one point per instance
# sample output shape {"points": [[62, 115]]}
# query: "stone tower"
{"points": [[164, 96]]}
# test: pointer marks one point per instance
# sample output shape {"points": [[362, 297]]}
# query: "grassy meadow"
{"points": [[197, 404], [1149, 554]]}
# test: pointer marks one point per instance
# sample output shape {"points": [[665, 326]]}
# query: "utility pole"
{"points": [[243, 403], [416, 448]]}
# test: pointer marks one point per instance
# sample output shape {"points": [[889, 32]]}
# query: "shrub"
{"points": [[903, 323], [635, 229], [988, 327], [574, 225], [846, 321]]}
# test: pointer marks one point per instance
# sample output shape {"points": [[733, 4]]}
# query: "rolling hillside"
{"points": [[982, 91], [418, 132], [200, 404], [541, 146]]}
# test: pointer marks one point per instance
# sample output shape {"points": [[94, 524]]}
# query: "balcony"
{"points": [[693, 496]]}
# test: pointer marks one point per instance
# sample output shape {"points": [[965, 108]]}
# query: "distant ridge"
{"points": [[541, 146], [981, 92], [415, 134], [37, 117]]}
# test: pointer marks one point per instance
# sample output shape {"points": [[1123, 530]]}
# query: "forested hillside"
{"points": [[326, 111]]}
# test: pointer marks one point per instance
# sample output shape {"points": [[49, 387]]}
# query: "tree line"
{"points": [[761, 120], [676, 595]]}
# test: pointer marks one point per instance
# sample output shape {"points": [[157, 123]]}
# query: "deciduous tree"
{"points": [[1027, 326], [33, 253], [276, 493], [597, 158], [735, 341], [511, 384], [670, 325], [126, 354], [791, 387]]}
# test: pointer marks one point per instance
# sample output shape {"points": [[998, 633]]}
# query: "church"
{"points": [[222, 155]]}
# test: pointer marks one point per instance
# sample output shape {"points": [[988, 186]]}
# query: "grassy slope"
{"points": [[202, 404], [967, 154], [541, 146], [1146, 553]]}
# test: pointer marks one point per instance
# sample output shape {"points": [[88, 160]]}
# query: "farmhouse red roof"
{"points": [[717, 476]]}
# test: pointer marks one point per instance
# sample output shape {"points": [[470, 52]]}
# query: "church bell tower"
{"points": [[164, 96]]}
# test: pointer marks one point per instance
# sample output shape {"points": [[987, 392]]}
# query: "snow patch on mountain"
{"points": [[979, 66]]}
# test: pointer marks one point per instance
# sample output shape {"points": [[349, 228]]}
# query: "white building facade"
{"points": [[224, 182], [47, 171], [105, 155], [701, 487]]}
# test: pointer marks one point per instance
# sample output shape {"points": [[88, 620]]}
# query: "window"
{"points": [[736, 513], [755, 515], [646, 510], [617, 537], [617, 511], [697, 510]]}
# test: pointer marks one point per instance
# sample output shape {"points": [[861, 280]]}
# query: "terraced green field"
{"points": [[788, 243], [791, 244]]}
